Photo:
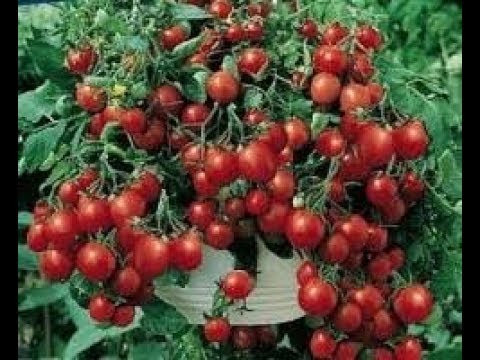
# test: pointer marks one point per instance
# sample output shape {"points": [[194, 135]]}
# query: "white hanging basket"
{"points": [[273, 300]]}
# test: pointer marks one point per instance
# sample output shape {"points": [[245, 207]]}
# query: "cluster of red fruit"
{"points": [[363, 150]]}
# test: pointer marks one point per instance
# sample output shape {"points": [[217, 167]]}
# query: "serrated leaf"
{"points": [[229, 65], [148, 350], [253, 99], [35, 297], [27, 259], [188, 12], [39, 145], [187, 48], [448, 280], [320, 122], [189, 347], [194, 87], [24, 219], [450, 175], [34, 104], [61, 170], [161, 318]]}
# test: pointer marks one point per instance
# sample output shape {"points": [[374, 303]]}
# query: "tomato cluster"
{"points": [[370, 165]]}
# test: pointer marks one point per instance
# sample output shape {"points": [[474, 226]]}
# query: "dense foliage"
{"points": [[419, 67]]}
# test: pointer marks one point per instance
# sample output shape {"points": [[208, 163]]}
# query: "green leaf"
{"points": [[82, 339], [27, 259], [61, 170], [320, 122], [34, 104], [450, 353], [189, 347], [448, 280], [193, 87], [35, 297], [229, 64], [188, 12], [39, 145], [148, 350], [253, 99], [24, 219], [78, 314], [187, 48], [450, 175], [161, 318]]}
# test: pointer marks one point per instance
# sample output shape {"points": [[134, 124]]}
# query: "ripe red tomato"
{"points": [[217, 330], [352, 167], [173, 36], [336, 190], [317, 297], [166, 99], [336, 249], [94, 215], [100, 308], [223, 87], [201, 213], [253, 61], [143, 295], [147, 185], [355, 230], [306, 271], [133, 121], [298, 133], [285, 156], [127, 236], [309, 29], [127, 281], [381, 189], [304, 229], [382, 354], [361, 69], [150, 256], [257, 202], [257, 162], [61, 229], [413, 304], [394, 211], [191, 157], [195, 115], [95, 261], [273, 221], [330, 59], [237, 284], [375, 146], [87, 177], [221, 166], [261, 9], [369, 37], [244, 337], [377, 238], [123, 315], [219, 235], [80, 61], [266, 336], [348, 317], [350, 126], [234, 33], [325, 88], [234, 208], [255, 117], [177, 140], [411, 187], [275, 137], [384, 325], [330, 143], [376, 93], [380, 267], [253, 31], [334, 33], [408, 349], [397, 258], [220, 8], [282, 186], [186, 251], [36, 239], [411, 140], [41, 210], [354, 96], [55, 265], [68, 192], [153, 137], [347, 350], [369, 299], [203, 185], [127, 205], [90, 98], [322, 344]]}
